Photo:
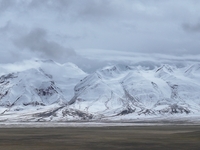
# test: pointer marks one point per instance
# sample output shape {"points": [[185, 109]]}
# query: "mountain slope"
{"points": [[48, 91], [43, 84], [119, 90]]}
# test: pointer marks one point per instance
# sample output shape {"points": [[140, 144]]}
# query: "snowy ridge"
{"points": [[115, 91], [49, 91]]}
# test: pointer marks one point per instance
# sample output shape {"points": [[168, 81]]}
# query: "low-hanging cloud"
{"points": [[36, 41]]}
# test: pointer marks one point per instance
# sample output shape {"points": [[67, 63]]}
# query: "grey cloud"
{"points": [[36, 41], [96, 9], [191, 27], [84, 10], [5, 4], [143, 26], [4, 29], [49, 4]]}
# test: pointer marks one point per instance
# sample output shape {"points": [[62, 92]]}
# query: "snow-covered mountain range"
{"points": [[49, 91]]}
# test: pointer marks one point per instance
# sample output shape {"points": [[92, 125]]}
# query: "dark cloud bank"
{"points": [[36, 41]]}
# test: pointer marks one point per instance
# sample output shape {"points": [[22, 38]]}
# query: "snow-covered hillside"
{"points": [[119, 90], [49, 91]]}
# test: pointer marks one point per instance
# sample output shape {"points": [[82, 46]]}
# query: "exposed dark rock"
{"points": [[6, 77], [174, 109], [48, 113], [126, 111], [146, 112], [49, 91], [34, 104], [74, 113]]}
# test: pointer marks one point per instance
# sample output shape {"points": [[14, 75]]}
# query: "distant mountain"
{"points": [[55, 92], [118, 90]]}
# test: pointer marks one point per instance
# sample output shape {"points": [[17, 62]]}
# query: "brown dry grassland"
{"points": [[101, 138]]}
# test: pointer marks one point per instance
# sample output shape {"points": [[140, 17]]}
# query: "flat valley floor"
{"points": [[101, 138]]}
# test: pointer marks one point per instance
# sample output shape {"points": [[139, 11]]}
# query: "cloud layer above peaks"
{"points": [[60, 29]]}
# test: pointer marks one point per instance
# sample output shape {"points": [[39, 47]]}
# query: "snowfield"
{"points": [[46, 91]]}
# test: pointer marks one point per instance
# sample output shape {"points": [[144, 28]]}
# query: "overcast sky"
{"points": [[59, 29]]}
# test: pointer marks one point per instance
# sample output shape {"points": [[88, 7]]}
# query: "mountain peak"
{"points": [[56, 91], [195, 68]]}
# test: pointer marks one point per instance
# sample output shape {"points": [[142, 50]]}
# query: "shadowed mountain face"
{"points": [[54, 92]]}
